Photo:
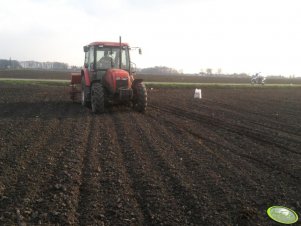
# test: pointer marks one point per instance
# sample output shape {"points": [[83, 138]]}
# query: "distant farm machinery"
{"points": [[257, 79]]}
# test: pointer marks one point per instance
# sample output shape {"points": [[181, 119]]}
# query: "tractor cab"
{"points": [[101, 56]]}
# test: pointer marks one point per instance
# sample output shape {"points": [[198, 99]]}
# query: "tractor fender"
{"points": [[85, 74], [135, 82]]}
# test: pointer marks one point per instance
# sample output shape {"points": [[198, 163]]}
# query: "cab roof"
{"points": [[112, 44]]}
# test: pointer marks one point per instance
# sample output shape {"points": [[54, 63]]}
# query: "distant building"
{"points": [[9, 64], [43, 65]]}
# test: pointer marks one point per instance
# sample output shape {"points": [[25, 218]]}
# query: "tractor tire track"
{"points": [[89, 210], [147, 184], [105, 192]]}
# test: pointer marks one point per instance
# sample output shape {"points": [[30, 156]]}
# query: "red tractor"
{"points": [[107, 78]]}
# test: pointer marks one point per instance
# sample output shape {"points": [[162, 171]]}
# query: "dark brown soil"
{"points": [[220, 160]]}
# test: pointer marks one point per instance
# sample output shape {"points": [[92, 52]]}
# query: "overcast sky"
{"points": [[190, 35]]}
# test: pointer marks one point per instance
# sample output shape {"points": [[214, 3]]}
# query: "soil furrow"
{"points": [[261, 134], [113, 187], [36, 169], [57, 201], [220, 142], [90, 209], [172, 158], [148, 181], [209, 178]]}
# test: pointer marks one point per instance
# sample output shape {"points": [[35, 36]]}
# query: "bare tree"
{"points": [[209, 71]]}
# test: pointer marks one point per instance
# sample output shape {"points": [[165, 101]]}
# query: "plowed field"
{"points": [[220, 160]]}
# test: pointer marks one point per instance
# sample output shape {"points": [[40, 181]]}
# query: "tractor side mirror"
{"points": [[91, 67], [140, 51], [86, 48], [133, 68]]}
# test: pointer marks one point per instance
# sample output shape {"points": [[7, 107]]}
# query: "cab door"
{"points": [[89, 66], [91, 62]]}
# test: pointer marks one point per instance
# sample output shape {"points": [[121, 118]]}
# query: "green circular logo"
{"points": [[282, 214]]}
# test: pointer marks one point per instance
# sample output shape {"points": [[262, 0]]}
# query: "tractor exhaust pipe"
{"points": [[120, 54]]}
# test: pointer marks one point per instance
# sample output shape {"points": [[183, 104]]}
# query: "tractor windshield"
{"points": [[109, 57]]}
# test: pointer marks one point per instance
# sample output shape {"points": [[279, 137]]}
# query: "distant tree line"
{"points": [[58, 65], [14, 64], [159, 70], [6, 64]]}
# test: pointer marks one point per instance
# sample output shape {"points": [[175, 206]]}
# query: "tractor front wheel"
{"points": [[97, 98], [140, 97]]}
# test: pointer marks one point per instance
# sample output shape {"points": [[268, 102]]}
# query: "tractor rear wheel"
{"points": [[84, 93], [140, 97], [97, 98]]}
